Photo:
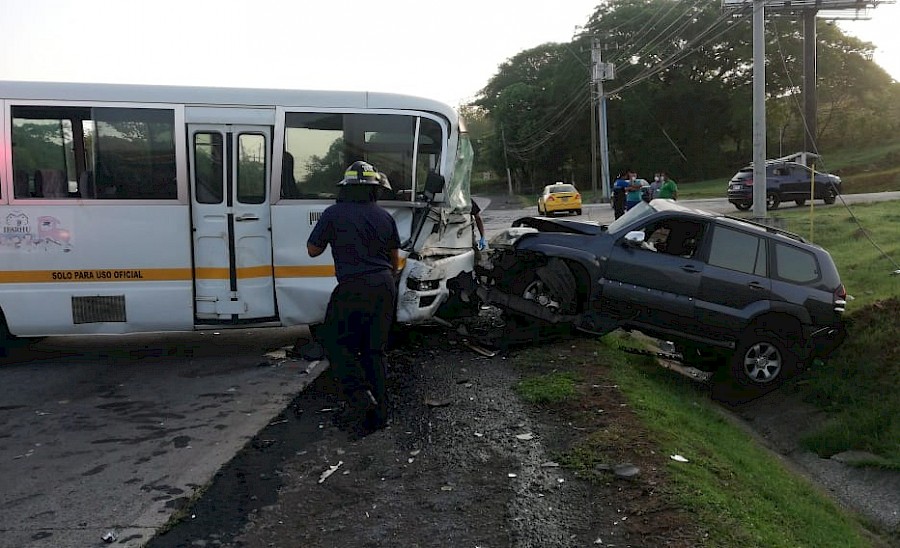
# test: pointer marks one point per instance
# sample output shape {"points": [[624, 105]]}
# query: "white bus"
{"points": [[130, 209]]}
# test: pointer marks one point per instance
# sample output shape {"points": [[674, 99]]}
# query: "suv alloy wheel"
{"points": [[761, 360]]}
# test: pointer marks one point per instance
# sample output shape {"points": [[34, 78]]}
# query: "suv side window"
{"points": [[795, 265], [679, 237], [736, 250]]}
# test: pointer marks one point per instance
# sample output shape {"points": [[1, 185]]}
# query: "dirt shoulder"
{"points": [[463, 463]]}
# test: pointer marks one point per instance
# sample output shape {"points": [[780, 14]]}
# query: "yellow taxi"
{"points": [[559, 197]]}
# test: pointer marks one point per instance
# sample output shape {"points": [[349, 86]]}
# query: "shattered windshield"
{"points": [[642, 209], [458, 189]]}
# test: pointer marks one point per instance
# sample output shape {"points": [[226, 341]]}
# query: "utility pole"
{"points": [[759, 110], [810, 97], [593, 142], [601, 71], [506, 160]]}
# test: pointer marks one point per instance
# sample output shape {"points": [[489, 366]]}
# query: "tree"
{"points": [[681, 100]]}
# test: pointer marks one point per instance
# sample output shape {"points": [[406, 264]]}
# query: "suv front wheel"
{"points": [[761, 360]]}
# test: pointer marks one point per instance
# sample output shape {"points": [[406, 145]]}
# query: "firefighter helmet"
{"points": [[360, 173]]}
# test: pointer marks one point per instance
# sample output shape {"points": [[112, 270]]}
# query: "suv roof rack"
{"points": [[801, 158], [770, 229]]}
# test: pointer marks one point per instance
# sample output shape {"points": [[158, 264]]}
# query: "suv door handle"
{"points": [[247, 217], [690, 268], [756, 285]]}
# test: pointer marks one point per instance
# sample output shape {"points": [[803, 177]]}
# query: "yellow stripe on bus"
{"points": [[216, 273], [162, 274], [95, 275]]}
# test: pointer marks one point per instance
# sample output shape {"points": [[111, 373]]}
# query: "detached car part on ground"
{"points": [[734, 296], [785, 181]]}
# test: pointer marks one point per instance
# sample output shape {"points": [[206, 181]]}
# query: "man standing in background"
{"points": [[667, 188]]}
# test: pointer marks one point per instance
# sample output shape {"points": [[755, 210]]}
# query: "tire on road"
{"points": [[830, 196], [773, 200]]}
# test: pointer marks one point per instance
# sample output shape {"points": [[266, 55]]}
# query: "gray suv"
{"points": [[716, 286], [785, 181]]}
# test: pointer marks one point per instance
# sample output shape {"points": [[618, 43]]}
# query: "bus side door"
{"points": [[232, 238]]}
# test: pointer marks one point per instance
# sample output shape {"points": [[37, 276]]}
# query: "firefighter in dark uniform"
{"points": [[364, 244]]}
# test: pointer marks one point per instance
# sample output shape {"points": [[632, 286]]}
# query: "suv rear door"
{"points": [[735, 282]]}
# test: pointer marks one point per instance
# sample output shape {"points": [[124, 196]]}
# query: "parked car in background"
{"points": [[559, 198], [785, 181], [748, 301]]}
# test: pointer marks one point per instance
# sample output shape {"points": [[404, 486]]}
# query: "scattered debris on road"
{"points": [[331, 470]]}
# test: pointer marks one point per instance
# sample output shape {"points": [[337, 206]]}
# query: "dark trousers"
{"points": [[618, 203], [355, 334]]}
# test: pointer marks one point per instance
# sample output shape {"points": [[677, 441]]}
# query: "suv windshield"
{"points": [[643, 209]]}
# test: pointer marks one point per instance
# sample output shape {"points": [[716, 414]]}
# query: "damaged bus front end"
{"points": [[438, 278]]}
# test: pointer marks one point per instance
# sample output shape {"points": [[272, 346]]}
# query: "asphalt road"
{"points": [[103, 435]]}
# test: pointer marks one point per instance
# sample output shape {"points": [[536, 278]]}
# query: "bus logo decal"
{"points": [[17, 232]]}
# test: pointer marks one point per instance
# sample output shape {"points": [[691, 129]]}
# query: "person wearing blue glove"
{"points": [[476, 216]]}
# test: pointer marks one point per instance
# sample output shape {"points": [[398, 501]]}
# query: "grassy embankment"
{"points": [[742, 494], [859, 386]]}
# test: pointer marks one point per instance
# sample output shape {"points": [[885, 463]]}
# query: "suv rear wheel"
{"points": [[761, 360]]}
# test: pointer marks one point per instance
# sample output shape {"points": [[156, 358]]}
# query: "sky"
{"points": [[444, 51]]}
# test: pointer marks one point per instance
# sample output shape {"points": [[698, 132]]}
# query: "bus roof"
{"points": [[220, 96]]}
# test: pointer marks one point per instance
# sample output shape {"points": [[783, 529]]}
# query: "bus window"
{"points": [[82, 152], [43, 156], [251, 172], [323, 144], [208, 154], [428, 151]]}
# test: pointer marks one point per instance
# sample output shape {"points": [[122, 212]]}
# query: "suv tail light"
{"points": [[840, 298]]}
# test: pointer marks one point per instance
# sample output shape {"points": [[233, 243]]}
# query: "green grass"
{"points": [[743, 495], [855, 158], [740, 491], [859, 388], [550, 388]]}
